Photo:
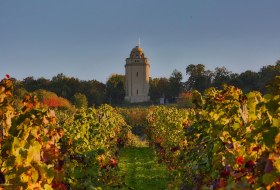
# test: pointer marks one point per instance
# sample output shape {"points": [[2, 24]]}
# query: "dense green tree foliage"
{"points": [[175, 83], [94, 91], [248, 81], [159, 88], [80, 100], [266, 74], [221, 76], [201, 79], [64, 86], [168, 88], [113, 91]]}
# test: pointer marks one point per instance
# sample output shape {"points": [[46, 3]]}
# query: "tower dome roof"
{"points": [[136, 53], [137, 49]]}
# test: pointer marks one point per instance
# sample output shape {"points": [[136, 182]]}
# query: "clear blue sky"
{"points": [[90, 39]]}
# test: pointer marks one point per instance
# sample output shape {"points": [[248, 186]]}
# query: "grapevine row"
{"points": [[229, 140], [44, 149]]}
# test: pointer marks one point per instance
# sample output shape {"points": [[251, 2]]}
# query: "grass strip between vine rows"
{"points": [[141, 169]]}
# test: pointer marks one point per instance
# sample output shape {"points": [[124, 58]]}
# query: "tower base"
{"points": [[137, 99]]}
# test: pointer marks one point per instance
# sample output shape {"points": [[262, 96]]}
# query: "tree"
{"points": [[175, 84], [65, 86], [60, 87], [199, 78], [80, 100], [50, 99], [159, 88], [266, 74], [274, 86], [95, 92], [31, 84], [115, 89], [248, 81], [221, 76]]}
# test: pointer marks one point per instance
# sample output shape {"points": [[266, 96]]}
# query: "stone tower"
{"points": [[137, 73]]}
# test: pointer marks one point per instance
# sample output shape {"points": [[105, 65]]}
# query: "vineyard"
{"points": [[228, 140]]}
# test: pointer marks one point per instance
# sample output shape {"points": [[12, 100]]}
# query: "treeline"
{"points": [[93, 92], [199, 78], [70, 88]]}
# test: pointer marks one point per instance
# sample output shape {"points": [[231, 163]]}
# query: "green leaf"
{"points": [[34, 175], [269, 136], [78, 172], [197, 98], [34, 153], [269, 178], [100, 151], [276, 122], [276, 164], [47, 187], [46, 172], [272, 105], [236, 126]]}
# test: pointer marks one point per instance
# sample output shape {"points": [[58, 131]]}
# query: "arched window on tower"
{"points": [[137, 91], [136, 74]]}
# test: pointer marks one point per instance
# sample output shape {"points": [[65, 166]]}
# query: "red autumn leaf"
{"points": [[239, 160], [256, 148], [113, 162]]}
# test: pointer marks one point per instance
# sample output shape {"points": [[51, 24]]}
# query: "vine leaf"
{"points": [[269, 136]]}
